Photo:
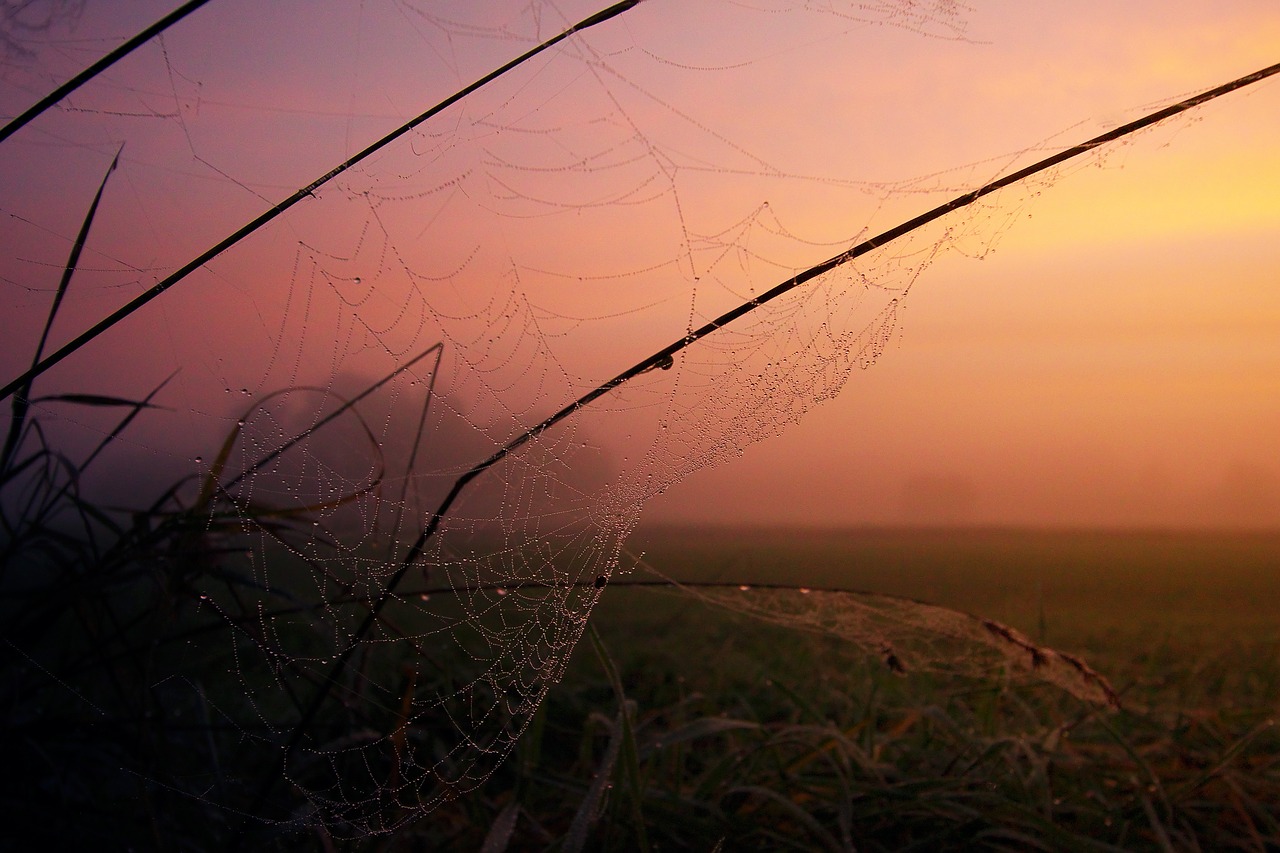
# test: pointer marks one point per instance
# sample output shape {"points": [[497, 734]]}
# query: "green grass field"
{"points": [[745, 735], [1092, 584], [682, 724]]}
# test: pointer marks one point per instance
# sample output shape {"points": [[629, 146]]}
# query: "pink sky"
{"points": [[1115, 361]]}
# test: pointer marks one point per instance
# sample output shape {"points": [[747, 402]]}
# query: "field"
{"points": [[752, 736], [1153, 586], [802, 689]]}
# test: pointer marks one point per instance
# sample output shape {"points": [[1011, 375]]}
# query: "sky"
{"points": [[1098, 348]]}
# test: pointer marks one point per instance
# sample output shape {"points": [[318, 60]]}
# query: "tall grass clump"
{"points": [[127, 693]]}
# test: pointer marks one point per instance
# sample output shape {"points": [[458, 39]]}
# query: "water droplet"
{"points": [[601, 581], [744, 588]]}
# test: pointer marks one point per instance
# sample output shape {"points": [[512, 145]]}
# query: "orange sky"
{"points": [[1115, 361]]}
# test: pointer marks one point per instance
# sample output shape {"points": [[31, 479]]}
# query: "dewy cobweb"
{"points": [[237, 507], [908, 635]]}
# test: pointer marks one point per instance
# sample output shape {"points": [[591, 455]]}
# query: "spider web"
{"points": [[284, 558]]}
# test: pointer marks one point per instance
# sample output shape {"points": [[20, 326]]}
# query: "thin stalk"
{"points": [[410, 466], [437, 348], [305, 192], [98, 67], [629, 752], [21, 400]]}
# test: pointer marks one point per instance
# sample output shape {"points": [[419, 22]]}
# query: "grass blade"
{"points": [[136, 409], [21, 403], [500, 832], [102, 400], [630, 754], [588, 809], [347, 405], [1227, 757], [98, 67], [398, 521]]}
